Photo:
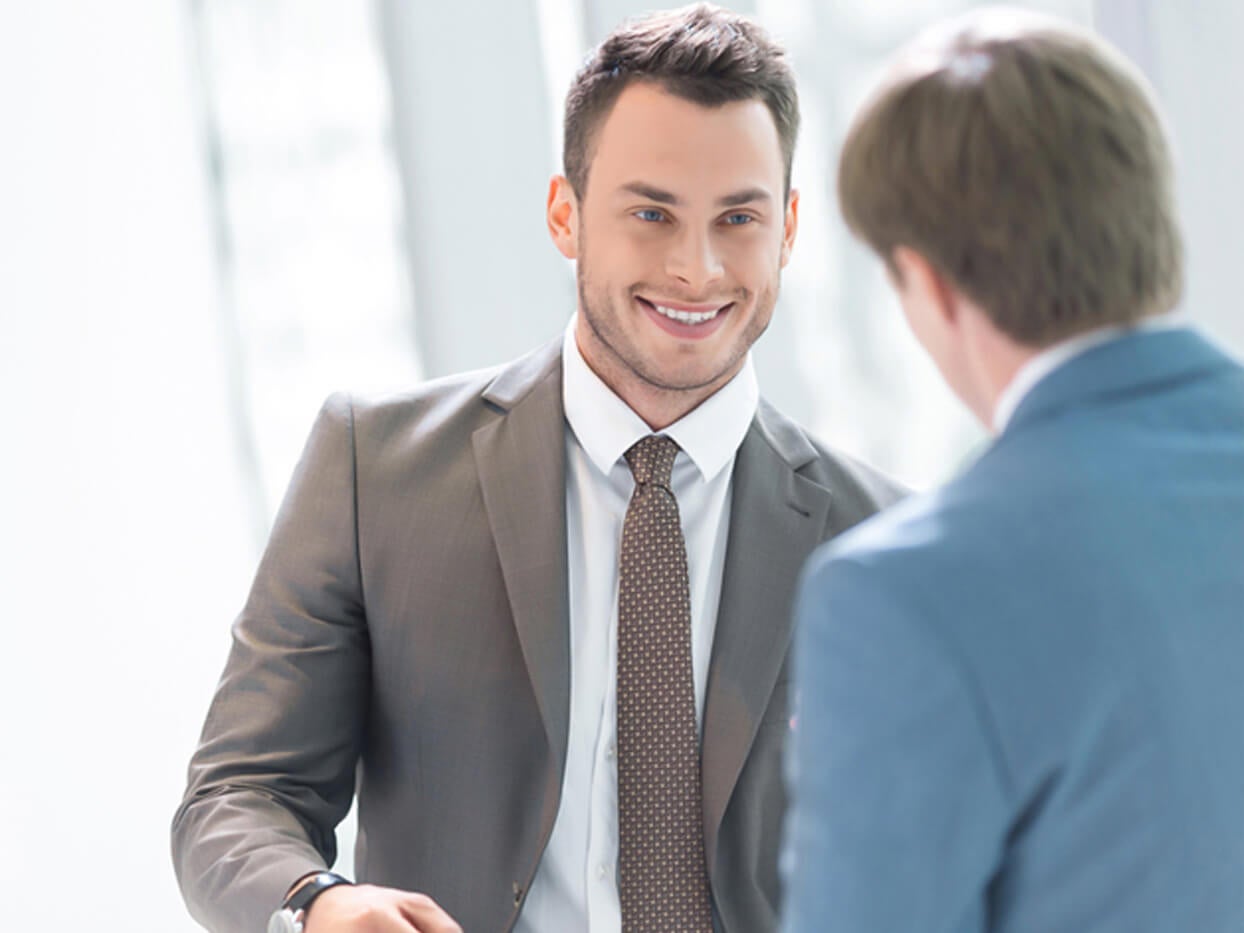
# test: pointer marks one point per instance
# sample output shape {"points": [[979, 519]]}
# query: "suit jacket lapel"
{"points": [[521, 462], [777, 517]]}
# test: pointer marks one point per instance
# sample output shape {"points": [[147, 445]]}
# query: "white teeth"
{"points": [[687, 317]]}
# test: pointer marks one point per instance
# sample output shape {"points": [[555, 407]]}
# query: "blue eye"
{"points": [[649, 214], [738, 220]]}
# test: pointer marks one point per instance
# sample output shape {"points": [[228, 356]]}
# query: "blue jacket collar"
{"points": [[1130, 364]]}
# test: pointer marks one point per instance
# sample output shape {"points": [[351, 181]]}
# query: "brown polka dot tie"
{"points": [[662, 875]]}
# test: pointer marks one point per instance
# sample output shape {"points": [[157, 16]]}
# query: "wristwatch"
{"points": [[290, 916]]}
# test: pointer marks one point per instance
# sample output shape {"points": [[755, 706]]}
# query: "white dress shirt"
{"points": [[575, 887]]}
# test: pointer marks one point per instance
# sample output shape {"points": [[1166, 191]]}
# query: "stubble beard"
{"points": [[599, 311]]}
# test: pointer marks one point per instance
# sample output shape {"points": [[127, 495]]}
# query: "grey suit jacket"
{"points": [[407, 637]]}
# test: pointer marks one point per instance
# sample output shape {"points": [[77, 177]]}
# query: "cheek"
{"points": [[614, 260], [753, 261]]}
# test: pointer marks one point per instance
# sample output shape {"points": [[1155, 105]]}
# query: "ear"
{"points": [[790, 228], [920, 284], [562, 214]]}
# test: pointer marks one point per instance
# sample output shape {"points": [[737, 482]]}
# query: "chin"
{"points": [[689, 378]]}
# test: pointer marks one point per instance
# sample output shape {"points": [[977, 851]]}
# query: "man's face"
{"points": [[680, 238]]}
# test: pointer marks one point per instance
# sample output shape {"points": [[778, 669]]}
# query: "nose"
{"points": [[693, 259]]}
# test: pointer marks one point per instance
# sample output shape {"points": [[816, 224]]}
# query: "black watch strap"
{"points": [[312, 888]]}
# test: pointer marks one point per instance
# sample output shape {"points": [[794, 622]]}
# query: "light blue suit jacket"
{"points": [[1021, 697]]}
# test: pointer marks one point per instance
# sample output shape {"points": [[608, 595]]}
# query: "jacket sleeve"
{"points": [[273, 774]]}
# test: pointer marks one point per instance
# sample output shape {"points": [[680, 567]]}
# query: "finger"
{"points": [[426, 915]]}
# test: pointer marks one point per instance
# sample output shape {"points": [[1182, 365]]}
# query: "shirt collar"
{"points": [[606, 427], [1051, 358]]}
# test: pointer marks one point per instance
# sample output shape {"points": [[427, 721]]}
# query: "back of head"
{"points": [[1025, 160], [701, 53]]}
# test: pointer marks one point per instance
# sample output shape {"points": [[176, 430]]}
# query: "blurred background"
{"points": [[215, 212]]}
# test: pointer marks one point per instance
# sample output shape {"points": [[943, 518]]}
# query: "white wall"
{"points": [[1191, 53], [126, 543]]}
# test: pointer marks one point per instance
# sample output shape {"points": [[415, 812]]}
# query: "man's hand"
{"points": [[365, 908]]}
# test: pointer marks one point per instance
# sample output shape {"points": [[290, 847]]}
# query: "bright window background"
{"points": [[213, 213]]}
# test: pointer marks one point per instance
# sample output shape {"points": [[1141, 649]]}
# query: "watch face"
{"points": [[283, 922]]}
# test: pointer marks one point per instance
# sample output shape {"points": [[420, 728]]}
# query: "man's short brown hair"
{"points": [[1024, 159], [700, 53]]}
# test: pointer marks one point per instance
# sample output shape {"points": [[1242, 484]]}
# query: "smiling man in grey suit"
{"points": [[1021, 696], [435, 623]]}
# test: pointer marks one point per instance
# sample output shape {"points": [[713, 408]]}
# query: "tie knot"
{"points": [[651, 460]]}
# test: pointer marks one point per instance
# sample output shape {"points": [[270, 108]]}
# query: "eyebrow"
{"points": [[661, 196], [746, 196]]}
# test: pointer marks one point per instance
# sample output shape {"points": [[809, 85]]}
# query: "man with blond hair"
{"points": [[1021, 696]]}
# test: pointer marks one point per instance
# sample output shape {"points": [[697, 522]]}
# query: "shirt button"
{"points": [[610, 751], [602, 872]]}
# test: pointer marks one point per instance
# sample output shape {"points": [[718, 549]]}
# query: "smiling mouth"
{"points": [[683, 315]]}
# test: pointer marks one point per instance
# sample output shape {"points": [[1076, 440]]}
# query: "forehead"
{"points": [[661, 139]]}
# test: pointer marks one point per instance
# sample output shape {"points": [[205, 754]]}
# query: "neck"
{"points": [[992, 360], [658, 406], [660, 411]]}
